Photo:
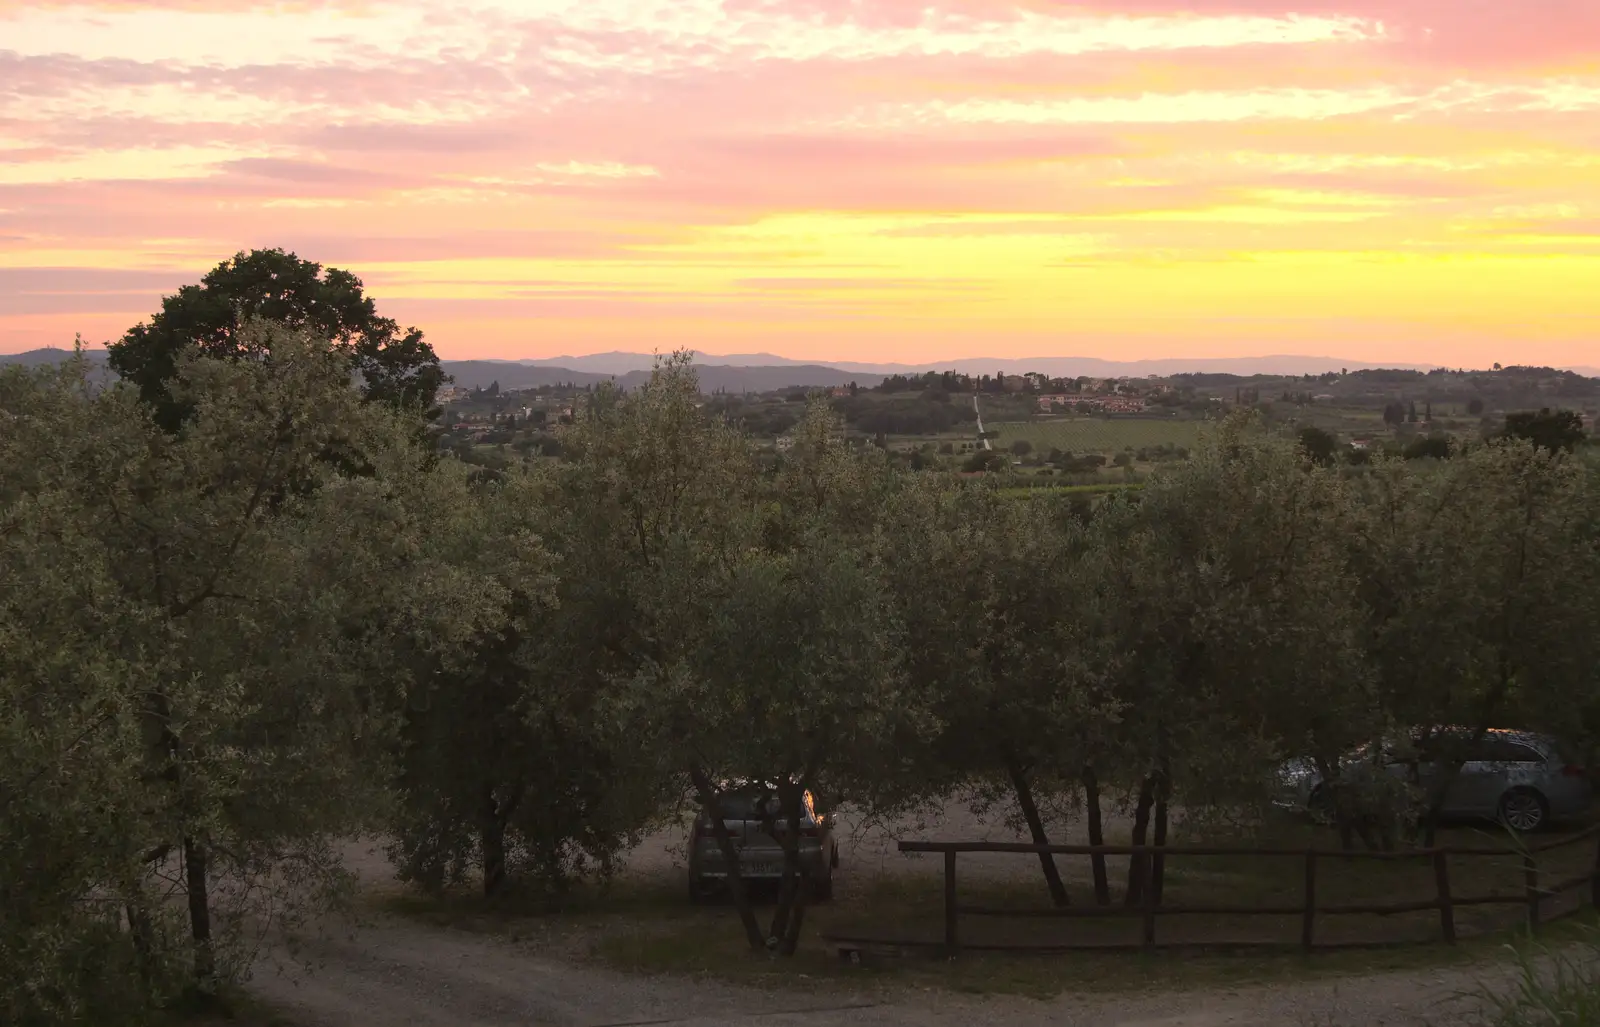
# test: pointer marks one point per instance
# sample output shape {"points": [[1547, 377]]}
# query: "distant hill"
{"points": [[510, 374], [765, 372], [618, 363], [50, 355], [728, 378], [480, 374]]}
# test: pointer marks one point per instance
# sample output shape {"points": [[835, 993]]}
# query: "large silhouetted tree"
{"points": [[394, 366]]}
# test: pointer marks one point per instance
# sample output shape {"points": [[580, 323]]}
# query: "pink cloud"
{"points": [[1459, 33], [495, 135]]}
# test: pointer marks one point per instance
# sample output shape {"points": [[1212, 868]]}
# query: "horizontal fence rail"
{"points": [[1150, 906]]}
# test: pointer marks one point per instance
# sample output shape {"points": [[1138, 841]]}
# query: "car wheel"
{"points": [[1524, 810]]}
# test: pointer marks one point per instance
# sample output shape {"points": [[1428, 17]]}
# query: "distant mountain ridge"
{"points": [[617, 362], [530, 375], [766, 372]]}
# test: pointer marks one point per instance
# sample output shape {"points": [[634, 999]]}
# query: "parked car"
{"points": [[1522, 779], [760, 852]]}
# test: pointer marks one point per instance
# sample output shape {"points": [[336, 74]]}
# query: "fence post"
{"points": [[1447, 909], [1151, 900], [951, 944], [1594, 880], [1530, 887], [1309, 920]]}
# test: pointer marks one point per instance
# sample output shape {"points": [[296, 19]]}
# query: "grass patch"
{"points": [[232, 1008], [709, 944], [1552, 986], [1099, 434]]}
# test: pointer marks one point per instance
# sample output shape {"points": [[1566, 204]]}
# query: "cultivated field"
{"points": [[1098, 434]]}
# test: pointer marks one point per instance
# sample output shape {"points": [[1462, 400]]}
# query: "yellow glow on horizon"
{"points": [[520, 177]]}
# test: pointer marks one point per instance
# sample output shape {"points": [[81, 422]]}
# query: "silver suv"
{"points": [[760, 853], [1519, 778]]}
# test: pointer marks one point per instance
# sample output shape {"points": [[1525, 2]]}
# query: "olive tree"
{"points": [[1224, 589], [742, 634], [662, 496], [795, 685], [1478, 578], [798, 682], [997, 603], [508, 763], [72, 793], [270, 586]]}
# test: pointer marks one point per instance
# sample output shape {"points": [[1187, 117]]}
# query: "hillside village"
{"points": [[1078, 430]]}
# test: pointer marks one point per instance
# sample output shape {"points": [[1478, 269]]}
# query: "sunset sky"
{"points": [[1382, 180]]}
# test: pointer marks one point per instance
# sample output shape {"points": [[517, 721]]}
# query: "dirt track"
{"points": [[393, 972]]}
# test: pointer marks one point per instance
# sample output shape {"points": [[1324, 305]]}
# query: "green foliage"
{"points": [[230, 638], [1320, 446], [1478, 581], [508, 766], [997, 597], [1552, 986], [1428, 447], [201, 666], [922, 416], [1554, 431], [983, 460], [394, 367], [1229, 603], [71, 837]]}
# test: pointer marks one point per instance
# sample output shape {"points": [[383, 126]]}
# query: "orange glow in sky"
{"points": [[1411, 181]]}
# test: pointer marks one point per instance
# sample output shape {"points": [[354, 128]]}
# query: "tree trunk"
{"points": [[1344, 818], [712, 808], [1097, 834], [143, 935], [1441, 789], [492, 842], [790, 941], [1030, 813], [795, 885], [1159, 871], [195, 874], [1141, 828], [789, 886]]}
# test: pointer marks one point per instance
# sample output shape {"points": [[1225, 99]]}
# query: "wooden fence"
{"points": [[1534, 888]]}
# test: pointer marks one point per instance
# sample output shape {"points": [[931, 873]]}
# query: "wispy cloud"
{"points": [[911, 174]]}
